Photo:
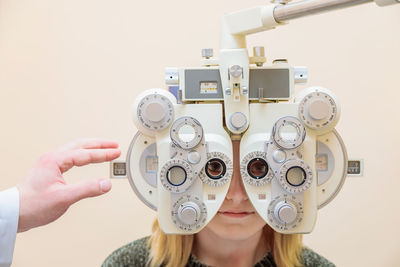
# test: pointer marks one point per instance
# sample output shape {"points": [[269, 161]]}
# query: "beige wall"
{"points": [[72, 68]]}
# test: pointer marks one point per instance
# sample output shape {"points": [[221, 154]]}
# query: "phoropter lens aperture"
{"points": [[176, 175], [257, 168], [295, 176], [215, 168]]}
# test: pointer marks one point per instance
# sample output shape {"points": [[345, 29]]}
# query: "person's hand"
{"points": [[45, 195]]}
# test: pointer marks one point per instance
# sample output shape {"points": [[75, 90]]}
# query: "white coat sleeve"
{"points": [[9, 214]]}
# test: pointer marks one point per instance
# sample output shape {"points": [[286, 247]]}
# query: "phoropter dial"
{"points": [[289, 132], [319, 109], [186, 132], [189, 213], [176, 175], [154, 111], [285, 212], [255, 170], [218, 169], [295, 176]]}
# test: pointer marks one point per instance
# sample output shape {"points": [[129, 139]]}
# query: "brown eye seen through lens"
{"points": [[215, 168], [257, 168]]}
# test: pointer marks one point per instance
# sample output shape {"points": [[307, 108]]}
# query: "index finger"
{"points": [[89, 143], [80, 157]]}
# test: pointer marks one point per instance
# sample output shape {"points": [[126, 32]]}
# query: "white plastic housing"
{"points": [[262, 119], [146, 192], [328, 190], [217, 140]]}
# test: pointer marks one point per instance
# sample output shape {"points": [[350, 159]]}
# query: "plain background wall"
{"points": [[71, 69]]}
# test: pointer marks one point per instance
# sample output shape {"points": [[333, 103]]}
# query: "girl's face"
{"points": [[236, 218]]}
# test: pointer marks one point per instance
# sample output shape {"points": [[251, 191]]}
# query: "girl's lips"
{"points": [[236, 214]]}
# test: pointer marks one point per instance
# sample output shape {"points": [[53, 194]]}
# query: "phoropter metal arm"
{"points": [[237, 25]]}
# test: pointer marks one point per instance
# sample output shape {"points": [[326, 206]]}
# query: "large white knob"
{"points": [[154, 111], [318, 109], [285, 212], [189, 213]]}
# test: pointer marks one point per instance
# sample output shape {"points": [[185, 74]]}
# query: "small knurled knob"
{"points": [[279, 156], [207, 52], [194, 157], [235, 71], [189, 213], [238, 120]]}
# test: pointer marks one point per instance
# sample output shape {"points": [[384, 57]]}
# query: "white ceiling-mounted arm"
{"points": [[234, 60], [386, 2], [235, 26], [310, 7]]}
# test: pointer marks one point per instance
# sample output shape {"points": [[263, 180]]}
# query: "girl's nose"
{"points": [[236, 192]]}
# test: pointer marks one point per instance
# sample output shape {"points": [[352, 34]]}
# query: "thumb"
{"points": [[88, 188]]}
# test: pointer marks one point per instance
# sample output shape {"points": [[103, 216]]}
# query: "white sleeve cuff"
{"points": [[9, 214]]}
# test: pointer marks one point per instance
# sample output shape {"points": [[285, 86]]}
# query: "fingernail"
{"points": [[105, 185]]}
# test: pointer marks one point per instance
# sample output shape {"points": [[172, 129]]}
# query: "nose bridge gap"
{"points": [[236, 189]]}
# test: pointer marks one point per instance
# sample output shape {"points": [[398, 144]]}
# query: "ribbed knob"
{"points": [[207, 52], [189, 213], [285, 212], [238, 120], [318, 109], [154, 111], [235, 71]]}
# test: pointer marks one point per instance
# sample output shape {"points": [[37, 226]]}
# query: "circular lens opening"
{"points": [[215, 168], [295, 176], [257, 168], [289, 132], [186, 133], [176, 175]]}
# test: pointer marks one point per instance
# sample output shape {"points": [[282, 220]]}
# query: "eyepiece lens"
{"points": [[257, 168], [176, 175], [215, 168], [296, 176]]}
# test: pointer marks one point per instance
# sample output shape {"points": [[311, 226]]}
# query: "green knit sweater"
{"points": [[136, 254]]}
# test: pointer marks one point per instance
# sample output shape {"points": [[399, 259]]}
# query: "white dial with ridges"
{"points": [[319, 109], [295, 176], [176, 175], [186, 132], [255, 169], [218, 169], [189, 213], [285, 212], [289, 132], [153, 111]]}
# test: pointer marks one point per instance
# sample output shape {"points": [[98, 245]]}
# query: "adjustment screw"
{"points": [[207, 52]]}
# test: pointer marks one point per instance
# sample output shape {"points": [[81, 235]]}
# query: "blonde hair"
{"points": [[174, 250]]}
